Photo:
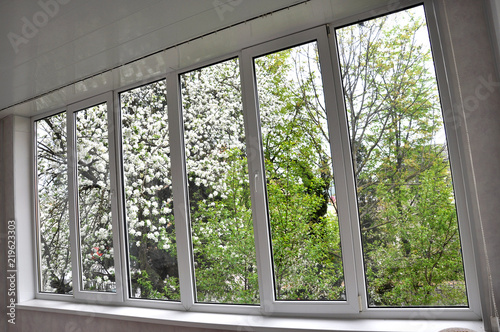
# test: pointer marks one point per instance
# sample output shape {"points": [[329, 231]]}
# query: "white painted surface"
{"points": [[243, 322], [49, 43], [23, 209], [79, 39]]}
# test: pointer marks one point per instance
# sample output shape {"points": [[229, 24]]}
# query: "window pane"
{"points": [[152, 247], [219, 196], [94, 200], [52, 177], [405, 195], [299, 174]]}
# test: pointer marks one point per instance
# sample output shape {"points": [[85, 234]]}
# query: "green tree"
{"points": [[148, 193], [52, 187], [406, 204], [305, 234], [219, 194], [405, 196]]}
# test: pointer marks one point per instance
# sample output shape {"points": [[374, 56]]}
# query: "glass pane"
{"points": [[52, 177], [299, 176], [94, 200], [219, 195], [152, 247], [406, 203]]}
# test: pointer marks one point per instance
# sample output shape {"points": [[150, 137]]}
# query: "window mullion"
{"points": [[342, 163], [73, 202], [115, 193], [120, 197], [257, 185], [180, 191]]}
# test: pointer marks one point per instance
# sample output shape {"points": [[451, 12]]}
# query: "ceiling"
{"points": [[48, 44]]}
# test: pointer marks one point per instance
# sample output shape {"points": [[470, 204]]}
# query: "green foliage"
{"points": [[405, 195], [223, 242], [406, 204], [148, 290], [305, 236], [148, 193]]}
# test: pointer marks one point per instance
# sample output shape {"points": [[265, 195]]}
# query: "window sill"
{"points": [[239, 322]]}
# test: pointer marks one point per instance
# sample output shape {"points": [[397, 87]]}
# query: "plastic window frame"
{"points": [[99, 297], [36, 208], [181, 202], [356, 305], [473, 311], [257, 180]]}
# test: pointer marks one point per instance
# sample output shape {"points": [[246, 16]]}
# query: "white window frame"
{"points": [[473, 311], [181, 202], [36, 210], [258, 189], [356, 305], [93, 296], [181, 229]]}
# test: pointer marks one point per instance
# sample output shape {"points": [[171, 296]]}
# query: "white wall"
{"points": [[475, 89]]}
